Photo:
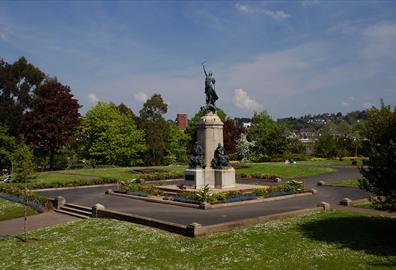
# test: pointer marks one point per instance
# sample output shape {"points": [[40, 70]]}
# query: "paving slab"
{"points": [[46, 219]]}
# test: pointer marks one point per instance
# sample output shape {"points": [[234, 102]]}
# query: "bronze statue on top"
{"points": [[211, 96]]}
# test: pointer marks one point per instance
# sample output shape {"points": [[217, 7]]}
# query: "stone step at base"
{"points": [[72, 214], [77, 210], [81, 207]]}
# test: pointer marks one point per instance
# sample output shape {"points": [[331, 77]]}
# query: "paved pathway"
{"points": [[183, 215], [15, 226]]}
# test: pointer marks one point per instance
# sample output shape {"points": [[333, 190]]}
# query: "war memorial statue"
{"points": [[209, 149], [210, 91]]}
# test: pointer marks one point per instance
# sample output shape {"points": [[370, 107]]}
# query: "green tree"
{"points": [[19, 82], [126, 110], [325, 146], [7, 147], [358, 130], [270, 138], [222, 115], [53, 121], [177, 150], [110, 137], [22, 164], [244, 147], [380, 174], [295, 146], [156, 129]]}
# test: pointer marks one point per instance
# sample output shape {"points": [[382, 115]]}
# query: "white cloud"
{"points": [[375, 41], [380, 39], [308, 3], [3, 32], [303, 79], [277, 14], [183, 92], [213, 21], [347, 27], [243, 101], [243, 8], [140, 96], [367, 105], [93, 98], [280, 73], [348, 102]]}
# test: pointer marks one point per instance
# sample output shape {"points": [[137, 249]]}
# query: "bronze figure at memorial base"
{"points": [[197, 157], [220, 159]]}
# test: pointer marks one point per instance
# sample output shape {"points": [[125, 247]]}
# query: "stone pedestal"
{"points": [[195, 177], [210, 177], [224, 178], [210, 134], [215, 178]]}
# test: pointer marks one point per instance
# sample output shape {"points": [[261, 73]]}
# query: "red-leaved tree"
{"points": [[230, 135], [53, 121]]}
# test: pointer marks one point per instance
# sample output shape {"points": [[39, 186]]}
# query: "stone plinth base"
{"points": [[215, 178], [209, 135], [224, 178], [195, 177], [210, 177]]}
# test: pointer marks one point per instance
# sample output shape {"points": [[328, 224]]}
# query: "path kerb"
{"points": [[206, 205], [196, 229]]}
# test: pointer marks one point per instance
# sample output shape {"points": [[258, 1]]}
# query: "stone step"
{"points": [[76, 210], [81, 207], [71, 214]]}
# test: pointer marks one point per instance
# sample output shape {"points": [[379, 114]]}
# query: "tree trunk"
{"points": [[51, 159]]}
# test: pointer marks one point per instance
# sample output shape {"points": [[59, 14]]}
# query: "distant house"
{"points": [[309, 145], [182, 121], [247, 124]]}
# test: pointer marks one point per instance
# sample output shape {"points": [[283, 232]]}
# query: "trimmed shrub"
{"points": [[26, 196], [132, 186]]}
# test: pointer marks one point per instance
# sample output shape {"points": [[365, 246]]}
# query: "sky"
{"points": [[289, 58]]}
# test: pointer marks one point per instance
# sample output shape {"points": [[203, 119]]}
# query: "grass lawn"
{"points": [[112, 175], [331, 162], [346, 183], [288, 171], [9, 210], [331, 240], [123, 173], [367, 205], [101, 176]]}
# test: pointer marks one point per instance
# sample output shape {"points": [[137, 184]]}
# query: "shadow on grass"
{"points": [[373, 235]]}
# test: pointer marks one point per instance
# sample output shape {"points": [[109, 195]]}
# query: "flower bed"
{"points": [[257, 176], [31, 199], [204, 195], [134, 188], [35, 205], [139, 193]]}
